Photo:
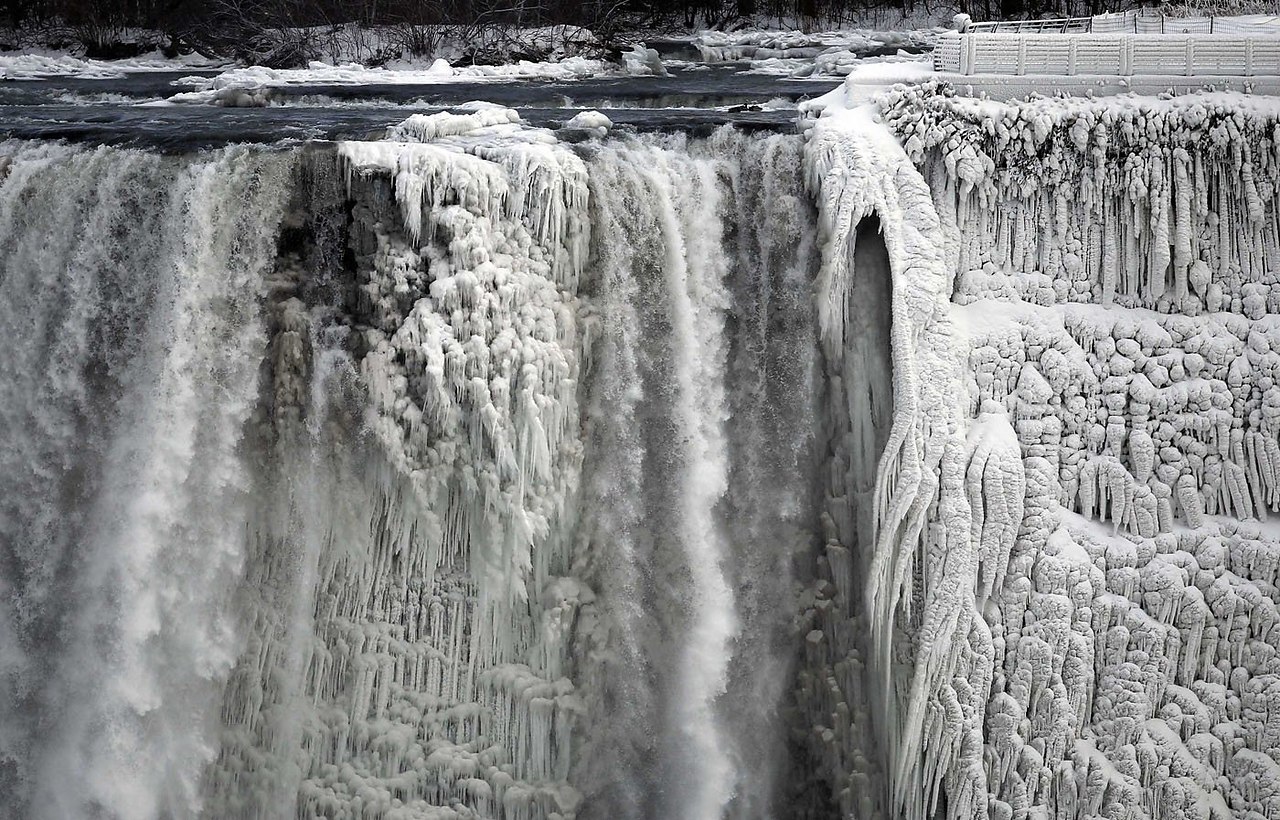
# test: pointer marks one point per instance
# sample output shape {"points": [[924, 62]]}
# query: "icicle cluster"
{"points": [[1131, 427], [471, 356], [1153, 203], [1114, 265], [438, 669]]}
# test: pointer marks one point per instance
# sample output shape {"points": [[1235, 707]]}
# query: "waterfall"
{"points": [[701, 416], [669, 278], [469, 473], [490, 471], [131, 288]]}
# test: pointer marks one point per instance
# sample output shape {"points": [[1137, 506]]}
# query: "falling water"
{"points": [[460, 477], [702, 417], [131, 286]]}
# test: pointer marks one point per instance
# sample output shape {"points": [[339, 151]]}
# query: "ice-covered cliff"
{"points": [[1107, 583]]}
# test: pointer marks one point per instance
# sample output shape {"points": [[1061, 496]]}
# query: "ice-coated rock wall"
{"points": [[898, 660], [1110, 269]]}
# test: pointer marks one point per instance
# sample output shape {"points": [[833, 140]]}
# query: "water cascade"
{"points": [[132, 288], [465, 473]]}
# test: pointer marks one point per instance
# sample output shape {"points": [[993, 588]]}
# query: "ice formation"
{"points": [[436, 675], [902, 530], [1087, 630], [472, 626]]}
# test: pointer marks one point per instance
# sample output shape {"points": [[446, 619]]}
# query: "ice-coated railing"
{"points": [[1135, 22], [1061, 25], [1107, 54]]}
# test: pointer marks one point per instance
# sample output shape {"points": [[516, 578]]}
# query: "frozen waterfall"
{"points": [[462, 474], [921, 464]]}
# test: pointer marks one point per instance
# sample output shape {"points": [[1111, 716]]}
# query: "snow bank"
{"points": [[36, 65]]}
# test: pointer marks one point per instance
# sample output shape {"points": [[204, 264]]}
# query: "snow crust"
{"points": [[250, 86]]}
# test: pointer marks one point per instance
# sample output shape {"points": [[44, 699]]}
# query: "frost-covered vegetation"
{"points": [[288, 33]]}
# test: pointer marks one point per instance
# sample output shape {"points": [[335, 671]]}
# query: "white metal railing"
{"points": [[1063, 25], [1135, 22], [1107, 54]]}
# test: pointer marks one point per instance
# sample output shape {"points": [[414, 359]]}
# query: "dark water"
{"points": [[128, 111]]}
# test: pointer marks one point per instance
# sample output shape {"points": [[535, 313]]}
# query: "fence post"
{"points": [[1126, 57], [1071, 57], [1248, 57], [1191, 54], [1022, 56]]}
